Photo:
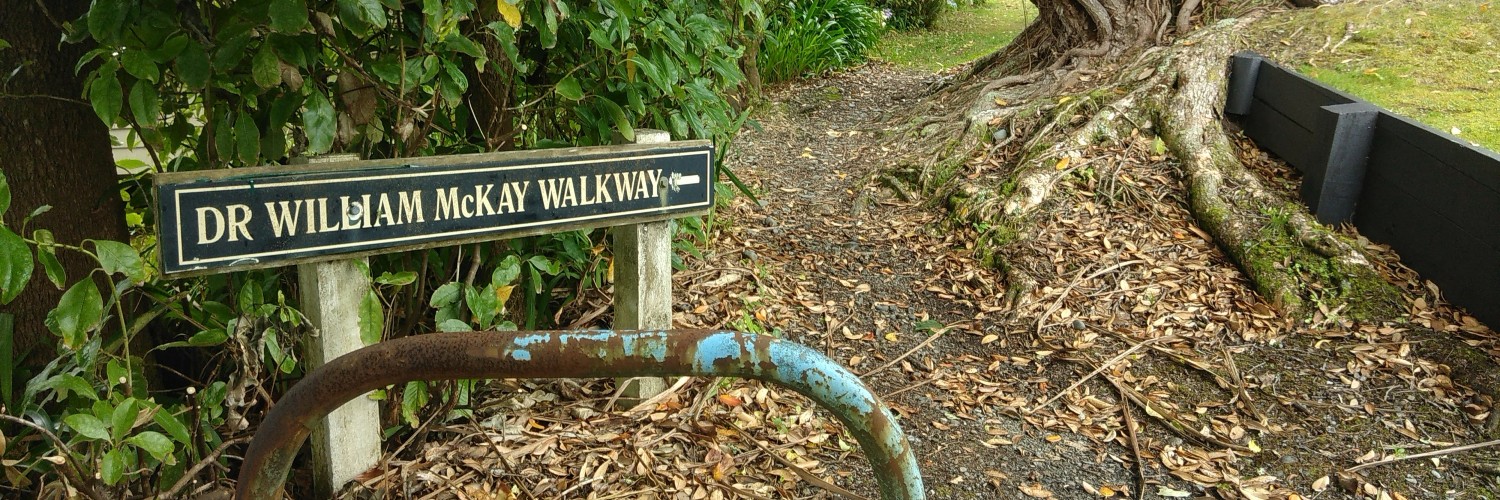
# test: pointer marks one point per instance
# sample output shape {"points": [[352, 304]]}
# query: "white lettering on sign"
{"points": [[239, 217], [367, 210], [628, 186], [254, 219]]}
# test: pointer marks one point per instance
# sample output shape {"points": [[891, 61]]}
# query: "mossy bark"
{"points": [[1177, 92], [1291, 258]]}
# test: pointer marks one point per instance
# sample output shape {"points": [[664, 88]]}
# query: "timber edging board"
{"points": [[232, 219], [1432, 197]]}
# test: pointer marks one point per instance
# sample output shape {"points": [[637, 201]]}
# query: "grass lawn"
{"points": [[1435, 61], [958, 37]]}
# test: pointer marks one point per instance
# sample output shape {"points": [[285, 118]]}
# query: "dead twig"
{"points": [[888, 397], [1098, 370], [1240, 387], [211, 458], [909, 352], [1076, 281], [1170, 419], [1349, 33], [1433, 453], [1135, 445]]}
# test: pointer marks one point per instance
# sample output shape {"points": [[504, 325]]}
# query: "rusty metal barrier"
{"points": [[581, 354]]}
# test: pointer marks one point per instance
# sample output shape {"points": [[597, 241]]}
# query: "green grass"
{"points": [[1435, 61], [958, 37]]}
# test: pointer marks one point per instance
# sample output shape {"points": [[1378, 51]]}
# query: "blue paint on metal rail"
{"points": [[584, 354]]}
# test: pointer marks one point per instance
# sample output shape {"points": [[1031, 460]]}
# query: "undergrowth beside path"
{"points": [[960, 36]]}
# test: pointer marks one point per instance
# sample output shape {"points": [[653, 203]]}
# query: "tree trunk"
{"points": [[1095, 72], [56, 152]]}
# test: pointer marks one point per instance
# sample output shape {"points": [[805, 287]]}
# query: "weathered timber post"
{"points": [[320, 216], [348, 441], [643, 278], [1333, 192]]}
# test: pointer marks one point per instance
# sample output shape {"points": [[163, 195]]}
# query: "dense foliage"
{"points": [[813, 36], [914, 14], [207, 85]]}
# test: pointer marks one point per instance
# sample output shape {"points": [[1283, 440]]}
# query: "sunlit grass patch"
{"points": [[1436, 62], [959, 36]]}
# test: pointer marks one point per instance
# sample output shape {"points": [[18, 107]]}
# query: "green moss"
{"points": [[958, 37], [1281, 264], [1438, 63]]}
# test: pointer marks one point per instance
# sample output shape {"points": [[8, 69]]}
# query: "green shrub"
{"points": [[912, 14], [814, 36], [153, 375]]}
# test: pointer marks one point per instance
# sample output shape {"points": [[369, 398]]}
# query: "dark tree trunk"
{"points": [[1066, 29], [56, 152]]}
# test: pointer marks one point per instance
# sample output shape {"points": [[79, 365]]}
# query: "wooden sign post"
{"points": [[321, 215], [643, 279]]}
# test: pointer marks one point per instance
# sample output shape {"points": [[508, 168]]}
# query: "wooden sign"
{"points": [[224, 220]]}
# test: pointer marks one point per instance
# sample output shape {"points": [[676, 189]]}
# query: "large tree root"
{"points": [[1175, 92]]}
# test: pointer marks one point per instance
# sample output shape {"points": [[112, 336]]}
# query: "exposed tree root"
{"points": [[1175, 92], [1290, 258]]}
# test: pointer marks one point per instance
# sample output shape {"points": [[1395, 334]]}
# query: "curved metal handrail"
{"points": [[581, 354]]}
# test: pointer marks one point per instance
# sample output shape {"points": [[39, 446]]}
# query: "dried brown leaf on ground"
{"points": [[1234, 399]]}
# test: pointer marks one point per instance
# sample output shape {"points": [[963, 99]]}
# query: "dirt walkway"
{"points": [[1229, 396], [1225, 397], [850, 267]]}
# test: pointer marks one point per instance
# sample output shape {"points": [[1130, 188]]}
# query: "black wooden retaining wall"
{"points": [[1432, 197]]}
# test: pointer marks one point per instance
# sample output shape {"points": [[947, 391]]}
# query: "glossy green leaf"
{"points": [[192, 66], [413, 398], [113, 466], [319, 123], [288, 16], [116, 257], [173, 426], [454, 325], [483, 304], [210, 337], [570, 88], [105, 96], [265, 68], [170, 48], [371, 318], [88, 426], [48, 257], [116, 372], [65, 383], [446, 295], [15, 265], [397, 279], [144, 104], [251, 295], [544, 264], [140, 65], [617, 115], [507, 272], [106, 18], [274, 350], [157, 444], [367, 12], [79, 309], [247, 138], [455, 83], [457, 42], [123, 419]]}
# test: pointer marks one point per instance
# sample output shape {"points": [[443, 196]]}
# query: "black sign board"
{"points": [[221, 220]]}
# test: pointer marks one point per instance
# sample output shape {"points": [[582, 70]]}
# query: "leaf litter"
{"points": [[1141, 361]]}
